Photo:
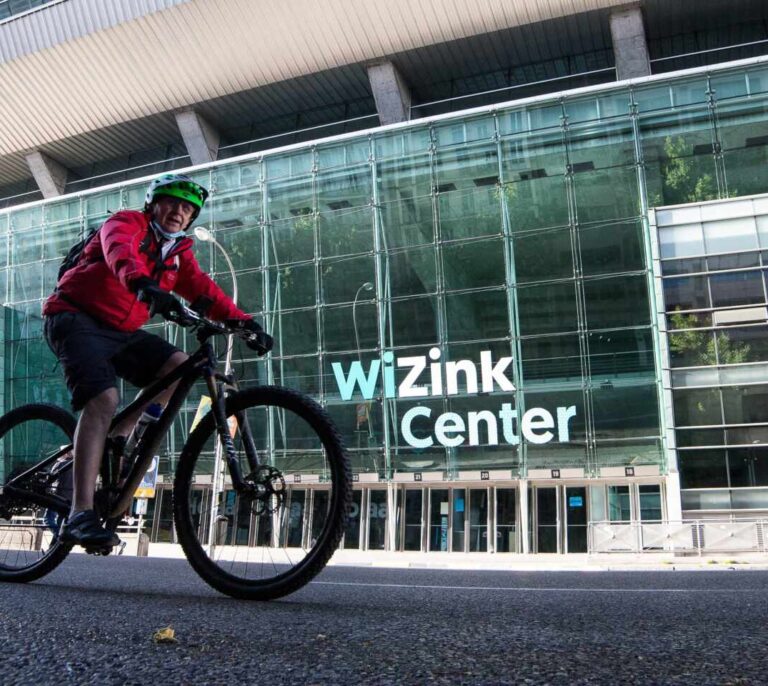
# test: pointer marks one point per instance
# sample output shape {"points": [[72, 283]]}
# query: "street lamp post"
{"points": [[217, 485], [204, 235], [367, 286]]}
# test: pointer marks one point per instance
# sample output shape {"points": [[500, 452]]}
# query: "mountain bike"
{"points": [[240, 458]]}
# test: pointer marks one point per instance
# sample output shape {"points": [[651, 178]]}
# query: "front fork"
{"points": [[218, 385]]}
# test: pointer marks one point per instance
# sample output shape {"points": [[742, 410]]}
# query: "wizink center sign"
{"points": [[430, 377]]}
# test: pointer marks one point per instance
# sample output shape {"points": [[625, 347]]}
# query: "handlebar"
{"points": [[173, 310], [188, 318]]}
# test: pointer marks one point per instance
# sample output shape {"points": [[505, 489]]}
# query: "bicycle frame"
{"points": [[201, 363]]}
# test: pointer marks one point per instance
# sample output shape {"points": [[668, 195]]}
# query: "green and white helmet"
{"points": [[177, 186]]}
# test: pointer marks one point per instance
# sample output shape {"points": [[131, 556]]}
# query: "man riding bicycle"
{"points": [[93, 324]]}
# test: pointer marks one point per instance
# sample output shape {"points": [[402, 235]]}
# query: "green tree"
{"points": [[685, 176], [698, 347]]}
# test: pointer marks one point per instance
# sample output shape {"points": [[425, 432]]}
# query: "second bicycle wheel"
{"points": [[268, 542], [29, 547]]}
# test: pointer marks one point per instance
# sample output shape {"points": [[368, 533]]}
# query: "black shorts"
{"points": [[94, 355]]}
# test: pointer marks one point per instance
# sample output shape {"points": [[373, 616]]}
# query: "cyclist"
{"points": [[94, 317]]}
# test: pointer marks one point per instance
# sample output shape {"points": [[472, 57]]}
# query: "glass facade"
{"points": [[713, 265], [470, 297]]}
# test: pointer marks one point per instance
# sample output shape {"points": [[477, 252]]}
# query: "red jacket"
{"points": [[124, 250]]}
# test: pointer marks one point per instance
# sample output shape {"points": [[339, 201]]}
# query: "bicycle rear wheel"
{"points": [[258, 546], [29, 547]]}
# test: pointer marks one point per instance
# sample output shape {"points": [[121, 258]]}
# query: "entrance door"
{"points": [[506, 520], [294, 534], [439, 511], [409, 518], [478, 520], [377, 519], [459, 519], [352, 535], [547, 523], [576, 519]]}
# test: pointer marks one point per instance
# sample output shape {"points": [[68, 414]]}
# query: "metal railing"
{"points": [[700, 536]]}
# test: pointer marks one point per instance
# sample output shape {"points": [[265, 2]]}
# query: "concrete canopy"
{"points": [[80, 67]]}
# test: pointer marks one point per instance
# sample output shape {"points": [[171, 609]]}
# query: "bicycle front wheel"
{"points": [[271, 539], [29, 547]]}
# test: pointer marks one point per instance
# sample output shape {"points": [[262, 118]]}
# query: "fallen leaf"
{"points": [[164, 636]]}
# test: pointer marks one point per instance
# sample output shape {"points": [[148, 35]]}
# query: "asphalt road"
{"points": [[92, 622]]}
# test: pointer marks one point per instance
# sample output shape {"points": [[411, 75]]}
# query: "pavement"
{"points": [[94, 621], [658, 561]]}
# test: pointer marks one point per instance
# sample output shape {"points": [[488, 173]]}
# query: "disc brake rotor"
{"points": [[270, 491]]}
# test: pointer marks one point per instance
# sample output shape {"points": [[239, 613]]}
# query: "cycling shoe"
{"points": [[85, 529]]}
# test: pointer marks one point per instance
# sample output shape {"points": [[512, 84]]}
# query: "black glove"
{"points": [[160, 302], [259, 340]]}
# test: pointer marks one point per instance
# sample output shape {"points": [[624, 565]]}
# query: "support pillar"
{"points": [[200, 138], [50, 175], [674, 499], [630, 48], [391, 93], [524, 505]]}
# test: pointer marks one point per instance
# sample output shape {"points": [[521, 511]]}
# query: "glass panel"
{"points": [[413, 508], [748, 466], [459, 516], [350, 327], [616, 302], [341, 188], [737, 288], [628, 412], [551, 357], [352, 533], [534, 191], [438, 519], [377, 519], [650, 503], [683, 240], [295, 523], [625, 352], [294, 285], [346, 232], [292, 240], [472, 212], [697, 407], [319, 511], [473, 264], [549, 308], [730, 235], [744, 404], [679, 159], [612, 248], [685, 266], [619, 509], [478, 520], [414, 321], [686, 293], [743, 133], [703, 469], [610, 193], [506, 520], [576, 517], [295, 332], [412, 272], [546, 520], [479, 315], [347, 280], [543, 255]]}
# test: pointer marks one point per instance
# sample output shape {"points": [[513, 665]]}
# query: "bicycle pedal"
{"points": [[98, 550]]}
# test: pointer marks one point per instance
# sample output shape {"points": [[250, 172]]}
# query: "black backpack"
{"points": [[73, 256]]}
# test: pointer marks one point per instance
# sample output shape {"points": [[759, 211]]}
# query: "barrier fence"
{"points": [[699, 536]]}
